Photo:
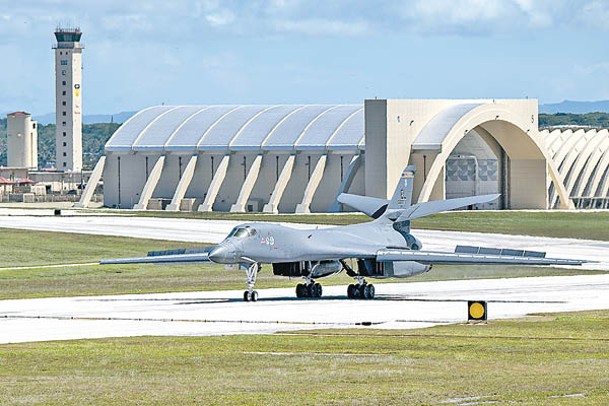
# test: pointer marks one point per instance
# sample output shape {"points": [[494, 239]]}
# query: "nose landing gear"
{"points": [[250, 295]]}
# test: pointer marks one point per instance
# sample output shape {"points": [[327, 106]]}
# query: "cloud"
{"points": [[594, 14], [323, 27], [220, 18]]}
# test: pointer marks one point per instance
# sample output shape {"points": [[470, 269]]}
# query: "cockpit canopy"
{"points": [[242, 232]]}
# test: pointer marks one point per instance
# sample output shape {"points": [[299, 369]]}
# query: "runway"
{"points": [[397, 306]]}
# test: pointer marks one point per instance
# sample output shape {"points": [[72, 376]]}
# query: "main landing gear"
{"points": [[361, 290], [250, 295], [308, 289]]}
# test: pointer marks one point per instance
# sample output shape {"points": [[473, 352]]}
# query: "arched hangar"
{"points": [[298, 158], [235, 158]]}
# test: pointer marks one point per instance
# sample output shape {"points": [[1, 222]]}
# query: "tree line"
{"points": [[95, 136]]}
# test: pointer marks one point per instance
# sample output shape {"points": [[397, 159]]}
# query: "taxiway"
{"points": [[397, 306]]}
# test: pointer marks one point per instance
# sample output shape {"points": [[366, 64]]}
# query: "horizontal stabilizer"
{"points": [[372, 206], [438, 206], [441, 258], [160, 259]]}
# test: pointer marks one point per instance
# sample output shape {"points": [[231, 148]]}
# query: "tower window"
{"points": [[63, 93], [63, 123], [63, 72], [63, 113], [63, 103], [63, 62], [65, 164], [63, 82], [64, 134], [65, 143], [65, 154]]}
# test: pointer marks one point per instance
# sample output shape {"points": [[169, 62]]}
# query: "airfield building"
{"points": [[22, 140], [298, 158]]}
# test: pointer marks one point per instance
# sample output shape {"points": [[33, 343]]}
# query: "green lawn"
{"points": [[584, 225], [551, 359], [34, 248]]}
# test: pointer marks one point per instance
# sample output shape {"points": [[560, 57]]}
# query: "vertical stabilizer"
{"points": [[402, 197]]}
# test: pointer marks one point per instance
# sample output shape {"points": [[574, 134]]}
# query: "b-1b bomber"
{"points": [[381, 248]]}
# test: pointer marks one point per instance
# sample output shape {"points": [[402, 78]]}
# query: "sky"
{"points": [[140, 53]]}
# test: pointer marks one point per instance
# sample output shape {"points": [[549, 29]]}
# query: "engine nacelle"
{"points": [[314, 269], [398, 269]]}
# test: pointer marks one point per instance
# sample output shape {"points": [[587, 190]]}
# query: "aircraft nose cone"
{"points": [[222, 254]]}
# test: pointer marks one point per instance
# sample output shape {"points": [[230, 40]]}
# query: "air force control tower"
{"points": [[68, 99]]}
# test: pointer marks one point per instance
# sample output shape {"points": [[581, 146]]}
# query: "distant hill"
{"points": [[575, 107], [90, 118], [566, 106]]}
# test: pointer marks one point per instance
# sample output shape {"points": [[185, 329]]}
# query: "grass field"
{"points": [[22, 248], [550, 359], [584, 225]]}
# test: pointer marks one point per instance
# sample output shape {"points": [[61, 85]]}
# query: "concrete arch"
{"points": [[594, 157], [588, 146], [575, 156], [594, 166], [520, 140]]}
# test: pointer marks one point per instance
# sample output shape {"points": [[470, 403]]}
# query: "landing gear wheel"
{"points": [[254, 296], [301, 290], [317, 290], [371, 291], [351, 291], [368, 292], [246, 296]]}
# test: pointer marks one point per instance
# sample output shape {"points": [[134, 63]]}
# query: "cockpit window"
{"points": [[242, 232]]}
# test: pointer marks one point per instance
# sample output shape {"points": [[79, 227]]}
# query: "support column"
{"points": [[215, 184], [286, 173], [183, 185], [153, 180], [346, 183], [316, 176], [96, 175], [248, 186]]}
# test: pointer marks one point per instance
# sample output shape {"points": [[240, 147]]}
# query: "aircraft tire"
{"points": [[368, 292], [246, 296], [317, 290], [300, 290], [350, 291], [254, 296], [372, 291]]}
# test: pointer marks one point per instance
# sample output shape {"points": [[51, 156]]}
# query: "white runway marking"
{"points": [[398, 306]]}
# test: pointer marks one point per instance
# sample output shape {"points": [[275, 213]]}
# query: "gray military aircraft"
{"points": [[381, 248]]}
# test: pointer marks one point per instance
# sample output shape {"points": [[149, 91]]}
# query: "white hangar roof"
{"points": [[242, 128]]}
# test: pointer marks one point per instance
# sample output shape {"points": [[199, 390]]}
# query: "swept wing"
{"points": [[185, 256], [446, 258]]}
